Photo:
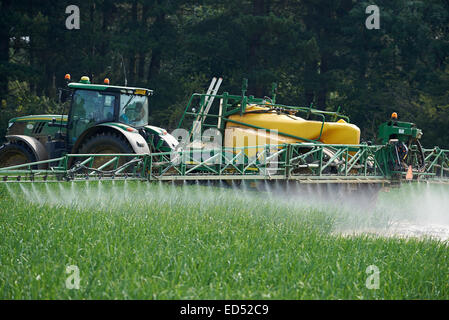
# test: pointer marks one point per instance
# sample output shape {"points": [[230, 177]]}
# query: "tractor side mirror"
{"points": [[60, 96], [63, 95]]}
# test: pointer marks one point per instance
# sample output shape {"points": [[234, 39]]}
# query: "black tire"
{"points": [[107, 143], [15, 153]]}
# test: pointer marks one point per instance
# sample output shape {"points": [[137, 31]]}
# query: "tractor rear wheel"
{"points": [[15, 153], [106, 143]]}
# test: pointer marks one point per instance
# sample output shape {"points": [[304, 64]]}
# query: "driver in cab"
{"points": [[134, 116]]}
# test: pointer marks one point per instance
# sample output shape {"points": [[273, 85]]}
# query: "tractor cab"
{"points": [[94, 104]]}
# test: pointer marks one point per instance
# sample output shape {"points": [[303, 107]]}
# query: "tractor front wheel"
{"points": [[106, 143], [15, 153]]}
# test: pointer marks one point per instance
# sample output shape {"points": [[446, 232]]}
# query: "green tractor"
{"points": [[102, 119]]}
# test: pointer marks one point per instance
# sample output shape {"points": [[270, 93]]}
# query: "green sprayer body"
{"points": [[403, 131], [402, 148]]}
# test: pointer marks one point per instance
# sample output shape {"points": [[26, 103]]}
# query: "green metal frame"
{"points": [[285, 161], [304, 162], [237, 104], [437, 163]]}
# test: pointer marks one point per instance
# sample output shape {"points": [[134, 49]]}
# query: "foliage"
{"points": [[20, 102]]}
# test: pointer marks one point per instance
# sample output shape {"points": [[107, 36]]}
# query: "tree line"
{"points": [[318, 51]]}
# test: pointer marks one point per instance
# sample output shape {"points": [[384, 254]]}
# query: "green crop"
{"points": [[133, 240]]}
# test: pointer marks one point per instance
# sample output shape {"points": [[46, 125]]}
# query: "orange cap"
{"points": [[106, 81], [394, 115], [67, 76]]}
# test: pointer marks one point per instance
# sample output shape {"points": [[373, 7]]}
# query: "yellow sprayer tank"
{"points": [[339, 132]]}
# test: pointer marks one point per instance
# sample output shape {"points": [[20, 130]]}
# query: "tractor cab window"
{"points": [[89, 108], [93, 106], [134, 110]]}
